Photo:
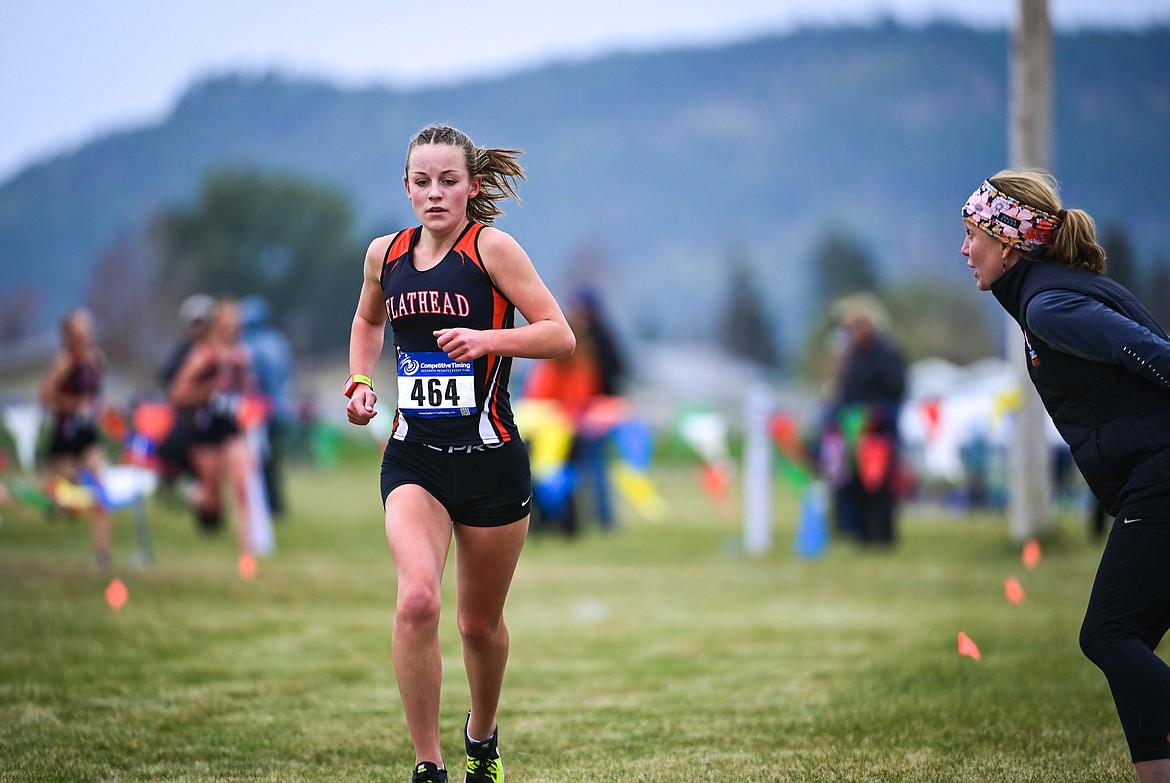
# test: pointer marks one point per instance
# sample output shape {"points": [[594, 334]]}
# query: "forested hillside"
{"points": [[649, 174]]}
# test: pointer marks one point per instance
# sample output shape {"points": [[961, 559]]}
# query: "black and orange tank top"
{"points": [[440, 401], [83, 379]]}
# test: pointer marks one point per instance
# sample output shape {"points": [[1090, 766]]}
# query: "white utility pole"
{"points": [[1029, 142], [757, 471]]}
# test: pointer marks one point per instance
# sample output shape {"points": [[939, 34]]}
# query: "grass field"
{"points": [[658, 653]]}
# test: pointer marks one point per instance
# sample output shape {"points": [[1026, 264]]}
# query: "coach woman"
{"points": [[1101, 365]]}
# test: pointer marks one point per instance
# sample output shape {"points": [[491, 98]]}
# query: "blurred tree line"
{"points": [[294, 243], [249, 233], [286, 239]]}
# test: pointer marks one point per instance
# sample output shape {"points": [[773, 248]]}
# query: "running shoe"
{"points": [[428, 772], [484, 764]]}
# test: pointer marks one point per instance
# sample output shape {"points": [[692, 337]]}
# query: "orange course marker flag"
{"points": [[116, 594], [1013, 591], [1031, 554], [968, 647], [247, 566]]}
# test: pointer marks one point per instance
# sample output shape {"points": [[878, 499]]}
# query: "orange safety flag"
{"points": [[116, 594], [786, 434], [253, 411], [1031, 554], [1013, 591], [873, 460], [246, 565], [153, 420], [716, 480], [968, 647], [114, 424], [932, 410]]}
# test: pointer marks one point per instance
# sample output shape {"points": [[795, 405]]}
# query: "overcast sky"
{"points": [[70, 69]]}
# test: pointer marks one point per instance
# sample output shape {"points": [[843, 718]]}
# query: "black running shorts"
{"points": [[72, 436], [480, 486]]}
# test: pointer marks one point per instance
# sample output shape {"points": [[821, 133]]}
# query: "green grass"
{"points": [[659, 653]]}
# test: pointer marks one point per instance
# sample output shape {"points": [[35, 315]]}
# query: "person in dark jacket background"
{"points": [[865, 400], [1101, 365]]}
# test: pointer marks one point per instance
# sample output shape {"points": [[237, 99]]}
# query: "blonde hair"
{"points": [[76, 326], [498, 169], [862, 307], [1074, 243]]}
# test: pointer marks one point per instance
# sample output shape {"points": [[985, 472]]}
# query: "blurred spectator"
{"points": [[272, 367], [586, 386], [209, 389], [572, 383], [71, 393], [194, 313], [862, 420], [586, 308], [587, 316]]}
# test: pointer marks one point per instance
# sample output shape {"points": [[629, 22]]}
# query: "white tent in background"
{"points": [[950, 407]]}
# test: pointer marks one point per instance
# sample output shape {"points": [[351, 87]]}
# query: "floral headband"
{"points": [[1009, 220]]}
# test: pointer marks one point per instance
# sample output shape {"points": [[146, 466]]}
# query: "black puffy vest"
{"points": [[1116, 423]]}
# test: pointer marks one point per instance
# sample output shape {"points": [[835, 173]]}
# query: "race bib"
{"points": [[431, 384]]}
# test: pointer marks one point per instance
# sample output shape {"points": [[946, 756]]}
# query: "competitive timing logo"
{"points": [[408, 365]]}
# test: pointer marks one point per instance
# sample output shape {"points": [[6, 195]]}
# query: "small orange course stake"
{"points": [[1013, 591], [1031, 554], [968, 647], [247, 566], [116, 594]]}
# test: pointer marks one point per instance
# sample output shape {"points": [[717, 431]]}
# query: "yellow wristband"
{"points": [[352, 382]]}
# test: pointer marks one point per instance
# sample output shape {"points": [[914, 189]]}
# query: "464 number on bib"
{"points": [[435, 393]]}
